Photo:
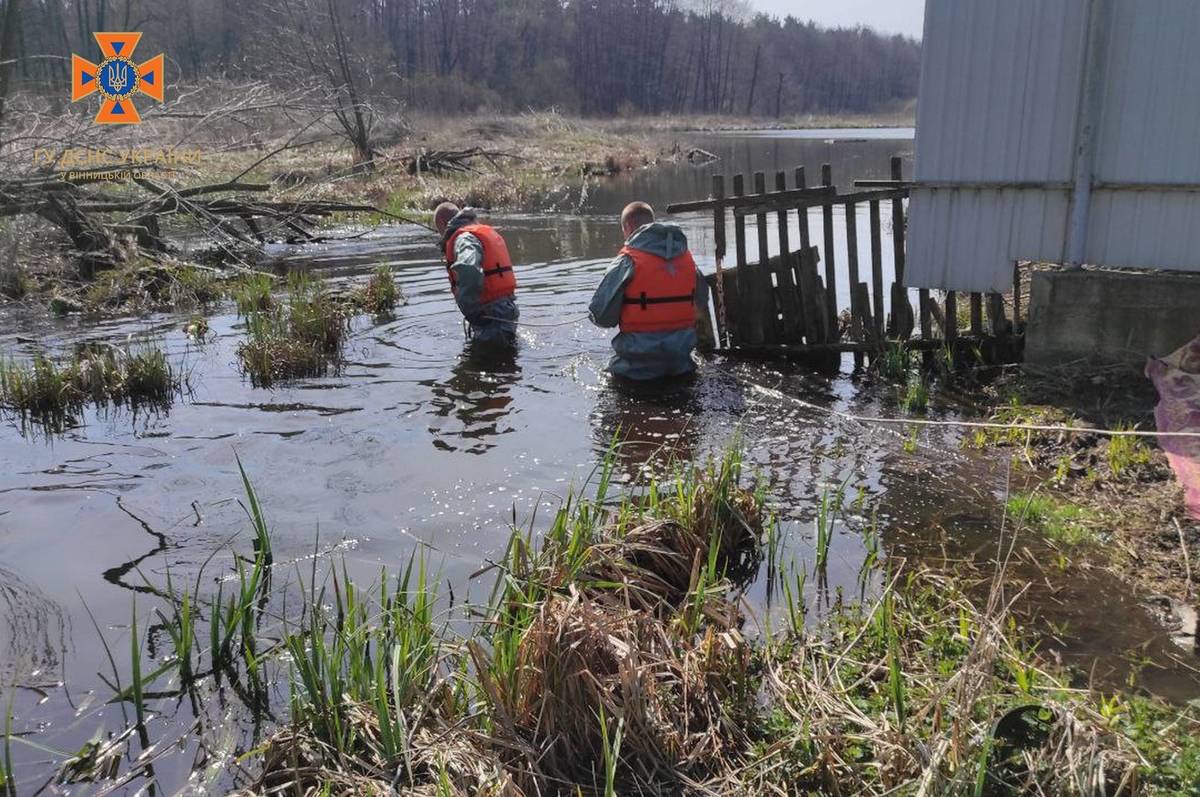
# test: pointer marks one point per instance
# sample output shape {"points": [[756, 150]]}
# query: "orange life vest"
{"points": [[499, 281], [661, 297]]}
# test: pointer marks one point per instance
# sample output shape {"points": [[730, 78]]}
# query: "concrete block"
{"points": [[1109, 317]]}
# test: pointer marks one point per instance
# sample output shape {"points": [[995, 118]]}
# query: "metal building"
{"points": [[1055, 130]]}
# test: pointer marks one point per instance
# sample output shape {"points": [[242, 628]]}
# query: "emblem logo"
{"points": [[117, 79]]}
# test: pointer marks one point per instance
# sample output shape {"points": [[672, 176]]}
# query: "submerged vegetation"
{"points": [[53, 393], [613, 657]]}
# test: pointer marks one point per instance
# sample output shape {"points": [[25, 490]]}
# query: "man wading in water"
{"points": [[481, 274], [655, 294]]}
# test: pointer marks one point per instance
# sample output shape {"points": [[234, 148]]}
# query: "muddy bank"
{"points": [[1110, 501]]}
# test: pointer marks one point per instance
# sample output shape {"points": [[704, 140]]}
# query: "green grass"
{"points": [[915, 395], [612, 657], [1059, 520], [303, 337], [253, 293], [380, 295], [53, 393], [1126, 453]]}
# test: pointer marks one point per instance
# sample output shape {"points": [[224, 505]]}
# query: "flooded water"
{"points": [[417, 443]]}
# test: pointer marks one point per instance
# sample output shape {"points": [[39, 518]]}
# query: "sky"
{"points": [[887, 16]]}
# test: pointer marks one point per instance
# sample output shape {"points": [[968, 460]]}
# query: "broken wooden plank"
{"points": [[831, 303], [877, 268], [788, 288]]}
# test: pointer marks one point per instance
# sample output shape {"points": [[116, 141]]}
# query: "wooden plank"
{"points": [[812, 296], [745, 303], [997, 321], [856, 330], [1016, 296], [877, 268], [768, 205], [805, 236], [788, 289], [831, 303], [787, 198], [864, 321], [902, 315], [718, 192], [951, 328], [976, 314], [765, 328]]}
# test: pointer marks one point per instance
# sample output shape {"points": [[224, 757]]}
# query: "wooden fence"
{"points": [[790, 304]]}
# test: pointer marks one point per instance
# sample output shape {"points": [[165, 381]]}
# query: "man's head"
{"points": [[635, 215], [442, 215]]}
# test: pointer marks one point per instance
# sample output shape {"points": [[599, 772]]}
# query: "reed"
{"points": [[380, 295], [302, 338], [253, 294], [610, 659], [53, 393]]}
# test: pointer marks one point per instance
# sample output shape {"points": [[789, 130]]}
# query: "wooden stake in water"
{"points": [[718, 193]]}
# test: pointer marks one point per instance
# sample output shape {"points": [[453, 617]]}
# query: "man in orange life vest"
{"points": [[654, 293], [481, 274]]}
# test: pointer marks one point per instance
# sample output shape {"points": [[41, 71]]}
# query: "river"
{"points": [[413, 443]]}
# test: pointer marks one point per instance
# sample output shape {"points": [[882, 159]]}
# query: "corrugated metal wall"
{"points": [[1000, 97]]}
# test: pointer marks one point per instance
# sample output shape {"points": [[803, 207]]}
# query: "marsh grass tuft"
{"points": [[1057, 518], [53, 393], [380, 295], [253, 293], [302, 338]]}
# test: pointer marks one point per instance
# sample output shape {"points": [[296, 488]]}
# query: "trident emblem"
{"points": [[118, 76], [117, 79]]}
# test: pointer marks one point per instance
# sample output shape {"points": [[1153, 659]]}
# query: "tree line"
{"points": [[595, 57]]}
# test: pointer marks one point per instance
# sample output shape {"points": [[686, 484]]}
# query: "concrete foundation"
{"points": [[1109, 317]]}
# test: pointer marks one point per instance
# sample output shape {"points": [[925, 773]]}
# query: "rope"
{"points": [[1024, 427], [568, 322]]}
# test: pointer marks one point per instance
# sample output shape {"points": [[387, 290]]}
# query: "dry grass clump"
{"points": [[302, 338]]}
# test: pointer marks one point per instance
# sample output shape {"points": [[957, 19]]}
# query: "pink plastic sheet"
{"points": [[1177, 378]]}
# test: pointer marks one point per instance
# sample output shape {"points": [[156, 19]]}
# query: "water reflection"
{"points": [[478, 395], [652, 426]]}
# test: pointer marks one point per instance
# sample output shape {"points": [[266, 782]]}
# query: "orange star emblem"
{"points": [[117, 78]]}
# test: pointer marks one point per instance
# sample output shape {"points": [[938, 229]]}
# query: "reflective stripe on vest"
{"points": [[499, 279], [661, 296]]}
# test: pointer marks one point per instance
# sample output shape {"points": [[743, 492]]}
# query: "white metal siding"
{"points": [[1000, 86]]}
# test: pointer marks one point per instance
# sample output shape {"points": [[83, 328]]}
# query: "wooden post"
{"points": [[805, 237], [951, 317], [831, 303], [977, 315], [765, 327], [718, 193], [1016, 296], [788, 290], [856, 311], [901, 310], [877, 268], [998, 322], [743, 281]]}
